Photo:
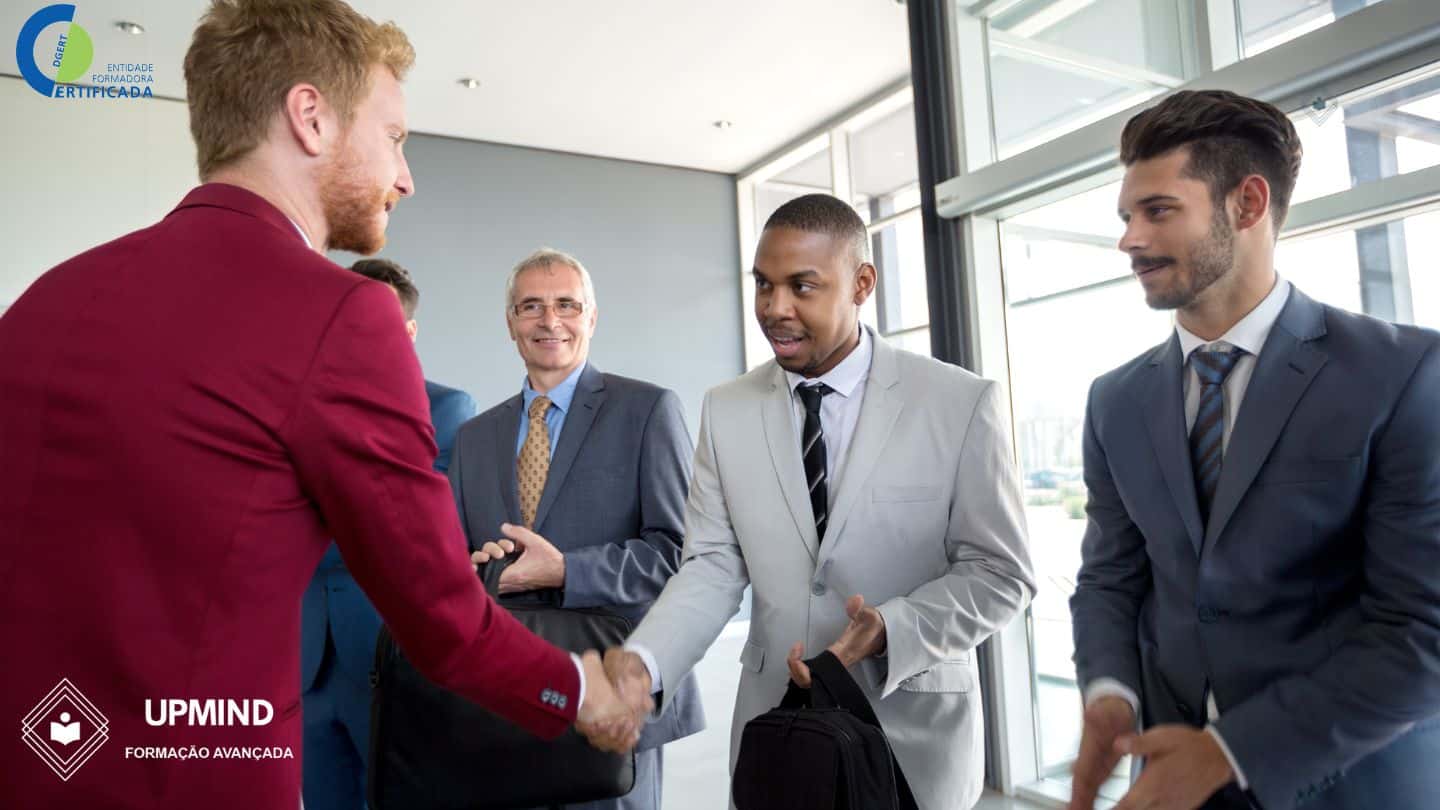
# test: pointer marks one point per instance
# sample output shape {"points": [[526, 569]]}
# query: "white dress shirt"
{"points": [[1249, 334], [839, 413], [839, 410]]}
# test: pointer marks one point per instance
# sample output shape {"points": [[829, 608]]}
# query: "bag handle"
{"points": [[831, 686]]}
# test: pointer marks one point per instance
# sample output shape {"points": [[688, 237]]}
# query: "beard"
{"points": [[352, 206], [1210, 259]]}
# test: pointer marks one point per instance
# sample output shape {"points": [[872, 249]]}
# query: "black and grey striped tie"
{"points": [[812, 450]]}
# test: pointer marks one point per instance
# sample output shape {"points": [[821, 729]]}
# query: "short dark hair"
{"points": [[822, 213], [1229, 136], [388, 272]]}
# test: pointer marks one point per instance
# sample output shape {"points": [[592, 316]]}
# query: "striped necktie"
{"points": [[1207, 437], [812, 450]]}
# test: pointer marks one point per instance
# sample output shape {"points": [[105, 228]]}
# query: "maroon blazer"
{"points": [[187, 414]]}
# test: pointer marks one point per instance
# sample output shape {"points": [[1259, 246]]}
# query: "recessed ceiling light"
{"points": [[722, 124], [468, 83], [132, 28]]}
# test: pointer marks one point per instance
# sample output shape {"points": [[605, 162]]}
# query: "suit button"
{"points": [[818, 589], [1209, 615]]}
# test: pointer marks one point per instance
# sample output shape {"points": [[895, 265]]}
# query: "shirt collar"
{"points": [[1251, 331], [561, 395], [847, 375], [301, 231]]}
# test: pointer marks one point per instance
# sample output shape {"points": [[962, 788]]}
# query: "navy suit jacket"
{"points": [[333, 603], [1310, 601], [614, 504]]}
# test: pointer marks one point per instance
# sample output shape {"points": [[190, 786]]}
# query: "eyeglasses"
{"points": [[564, 308]]}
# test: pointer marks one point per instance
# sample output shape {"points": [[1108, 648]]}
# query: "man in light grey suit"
{"points": [[871, 499], [1260, 577], [586, 474]]}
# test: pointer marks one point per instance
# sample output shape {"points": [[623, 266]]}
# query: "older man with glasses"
{"points": [[584, 475]]}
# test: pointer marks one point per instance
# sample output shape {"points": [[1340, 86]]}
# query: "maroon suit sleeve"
{"points": [[361, 440]]}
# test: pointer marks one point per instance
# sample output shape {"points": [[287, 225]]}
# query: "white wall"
{"points": [[77, 174]]}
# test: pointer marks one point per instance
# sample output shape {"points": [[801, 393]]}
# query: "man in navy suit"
{"points": [[339, 625], [586, 473], [1258, 588]]}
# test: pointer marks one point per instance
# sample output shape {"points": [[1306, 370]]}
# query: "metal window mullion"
{"points": [[1365, 47]]}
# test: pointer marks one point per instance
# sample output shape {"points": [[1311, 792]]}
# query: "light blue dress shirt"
{"points": [[560, 398]]}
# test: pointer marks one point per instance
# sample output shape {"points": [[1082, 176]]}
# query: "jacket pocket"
{"points": [[946, 676], [752, 657], [1304, 471]]}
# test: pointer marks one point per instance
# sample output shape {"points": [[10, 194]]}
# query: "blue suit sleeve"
{"points": [[630, 571], [447, 414]]}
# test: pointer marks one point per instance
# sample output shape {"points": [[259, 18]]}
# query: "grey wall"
{"points": [[659, 242]]}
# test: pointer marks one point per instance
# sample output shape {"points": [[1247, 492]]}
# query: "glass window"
{"points": [[1267, 23], [809, 176], [902, 298], [883, 164], [1066, 286], [1386, 270], [1056, 66], [1390, 129]]}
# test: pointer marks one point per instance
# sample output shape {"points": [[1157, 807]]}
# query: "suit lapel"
{"points": [[878, 414], [778, 420], [1164, 406], [589, 395], [1284, 370], [507, 429]]}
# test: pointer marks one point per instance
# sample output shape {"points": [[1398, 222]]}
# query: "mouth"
{"points": [[1143, 269], [389, 206], [549, 342], [785, 344]]}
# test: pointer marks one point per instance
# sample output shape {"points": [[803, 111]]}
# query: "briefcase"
{"points": [[431, 749], [822, 748]]}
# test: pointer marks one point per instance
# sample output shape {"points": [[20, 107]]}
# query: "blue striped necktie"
{"points": [[1208, 436]]}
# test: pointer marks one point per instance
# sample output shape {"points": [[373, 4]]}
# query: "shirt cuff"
{"points": [[580, 673], [1110, 687], [650, 665], [1234, 766]]}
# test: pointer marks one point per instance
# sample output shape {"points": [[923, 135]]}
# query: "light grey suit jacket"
{"points": [[926, 523]]}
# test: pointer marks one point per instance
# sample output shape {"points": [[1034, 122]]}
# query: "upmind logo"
{"points": [[54, 53], [65, 729]]}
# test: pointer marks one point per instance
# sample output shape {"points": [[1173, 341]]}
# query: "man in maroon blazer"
{"points": [[189, 412]]}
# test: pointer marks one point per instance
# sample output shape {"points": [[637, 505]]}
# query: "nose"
{"points": [[1134, 239], [549, 318], [778, 304], [405, 184]]}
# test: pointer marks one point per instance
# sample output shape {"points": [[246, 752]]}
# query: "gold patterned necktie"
{"points": [[533, 466]]}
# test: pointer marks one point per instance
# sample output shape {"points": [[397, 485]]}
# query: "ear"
{"points": [[594, 318], [510, 326], [308, 118], [1253, 201], [865, 279], [412, 328]]}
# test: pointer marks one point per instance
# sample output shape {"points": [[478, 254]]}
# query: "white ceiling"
{"points": [[634, 79]]}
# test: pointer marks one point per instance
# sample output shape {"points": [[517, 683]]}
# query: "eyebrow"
{"points": [[803, 274]]}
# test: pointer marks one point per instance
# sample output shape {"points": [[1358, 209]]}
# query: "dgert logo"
{"points": [[65, 729], [54, 54], [68, 59]]}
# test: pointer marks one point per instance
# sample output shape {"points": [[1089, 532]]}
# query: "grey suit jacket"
{"points": [[1310, 601], [612, 503], [926, 523]]}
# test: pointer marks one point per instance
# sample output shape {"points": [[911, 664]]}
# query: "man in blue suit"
{"points": [[339, 625], [1260, 580], [586, 474]]}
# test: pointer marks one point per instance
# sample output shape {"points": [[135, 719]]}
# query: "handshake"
{"points": [[617, 690], [617, 700]]}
